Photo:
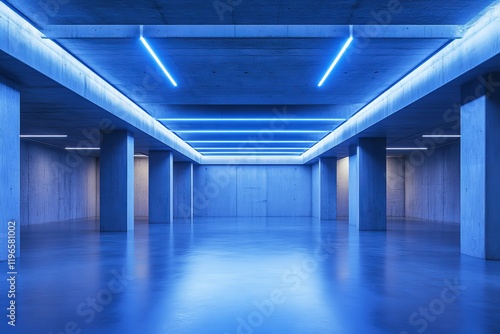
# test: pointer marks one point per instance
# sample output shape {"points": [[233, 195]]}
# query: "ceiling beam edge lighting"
{"points": [[337, 59], [155, 57]]}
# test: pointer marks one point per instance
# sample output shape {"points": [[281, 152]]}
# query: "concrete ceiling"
{"points": [[244, 76]]}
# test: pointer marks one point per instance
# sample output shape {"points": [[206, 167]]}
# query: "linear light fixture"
{"points": [[251, 119], [336, 60], [140, 156], [43, 136], [82, 148], [251, 131], [155, 57], [441, 136], [251, 141], [251, 154], [406, 148], [252, 148]]}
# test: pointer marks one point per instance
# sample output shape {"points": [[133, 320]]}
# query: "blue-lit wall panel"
{"points": [[433, 187], [71, 179], [252, 191]]}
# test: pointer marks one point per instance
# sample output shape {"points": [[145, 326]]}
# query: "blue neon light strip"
{"points": [[251, 119], [250, 153], [251, 141], [336, 60], [252, 131], [252, 148], [155, 57]]}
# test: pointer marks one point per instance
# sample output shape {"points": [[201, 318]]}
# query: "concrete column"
{"points": [[10, 193], [479, 169], [183, 190], [117, 182], [367, 184], [160, 187], [327, 188]]}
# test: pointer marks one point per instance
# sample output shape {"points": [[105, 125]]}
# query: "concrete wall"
{"points": [[433, 187], [343, 188], [252, 191], [315, 190], [183, 179], [141, 187], [56, 185], [395, 187]]}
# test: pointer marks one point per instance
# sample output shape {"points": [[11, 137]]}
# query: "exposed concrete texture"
{"points": [[480, 182], [117, 182], [215, 190], [183, 190], [367, 185], [141, 187], [56, 185], [395, 187], [22, 41], [327, 188], [480, 43], [343, 188], [10, 195], [316, 188], [252, 191], [432, 184], [161, 186]]}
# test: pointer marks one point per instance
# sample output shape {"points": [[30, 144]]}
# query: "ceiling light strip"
{"points": [[406, 148], [43, 136], [251, 131], [252, 148], [337, 59], [82, 148], [441, 136], [251, 141], [155, 57], [251, 119]]}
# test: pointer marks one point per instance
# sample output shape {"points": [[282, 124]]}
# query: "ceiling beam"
{"points": [[21, 41], [253, 31], [480, 43]]}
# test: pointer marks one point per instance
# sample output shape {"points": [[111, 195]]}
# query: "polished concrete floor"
{"points": [[246, 276]]}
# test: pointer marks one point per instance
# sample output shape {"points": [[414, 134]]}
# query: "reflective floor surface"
{"points": [[259, 275]]}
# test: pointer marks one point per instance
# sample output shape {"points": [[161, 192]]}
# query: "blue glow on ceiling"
{"points": [[158, 61], [336, 60]]}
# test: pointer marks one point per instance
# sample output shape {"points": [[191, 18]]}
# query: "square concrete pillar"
{"points": [[10, 169], [183, 190], [117, 181], [479, 169], [161, 187], [326, 189], [367, 184]]}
